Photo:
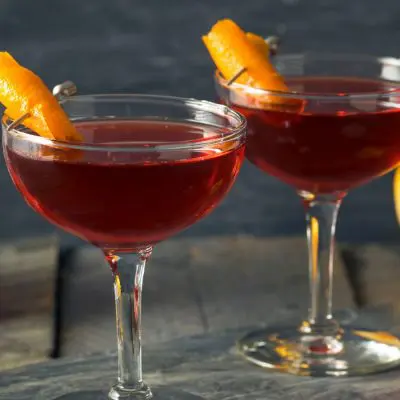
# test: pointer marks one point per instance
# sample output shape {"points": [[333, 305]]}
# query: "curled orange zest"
{"points": [[233, 50], [22, 92]]}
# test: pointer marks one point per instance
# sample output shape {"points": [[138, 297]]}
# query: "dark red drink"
{"points": [[329, 145], [125, 199]]}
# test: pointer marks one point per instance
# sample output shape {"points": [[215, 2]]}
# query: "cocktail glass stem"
{"points": [[128, 271], [321, 330]]}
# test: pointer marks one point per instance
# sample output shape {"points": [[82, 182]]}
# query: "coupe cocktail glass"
{"points": [[149, 167], [337, 128]]}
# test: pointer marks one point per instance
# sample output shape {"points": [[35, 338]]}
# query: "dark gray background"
{"points": [[154, 47]]}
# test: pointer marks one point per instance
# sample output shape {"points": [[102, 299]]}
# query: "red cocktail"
{"points": [[337, 126], [330, 147], [148, 167], [125, 200]]}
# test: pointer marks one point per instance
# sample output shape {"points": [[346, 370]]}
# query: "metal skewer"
{"points": [[65, 89], [273, 43], [236, 76], [18, 121]]}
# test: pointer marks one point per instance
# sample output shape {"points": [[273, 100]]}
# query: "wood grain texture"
{"points": [[194, 286], [377, 270], [27, 286], [245, 280], [202, 366], [169, 304]]}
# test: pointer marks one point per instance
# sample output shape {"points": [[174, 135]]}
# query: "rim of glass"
{"points": [[389, 61], [234, 132]]}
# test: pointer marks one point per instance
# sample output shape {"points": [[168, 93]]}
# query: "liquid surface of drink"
{"points": [[123, 199], [329, 145]]}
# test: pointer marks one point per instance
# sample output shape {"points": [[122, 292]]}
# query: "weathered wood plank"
{"points": [[194, 286], [203, 366], [376, 270], [169, 302], [27, 287], [246, 280]]}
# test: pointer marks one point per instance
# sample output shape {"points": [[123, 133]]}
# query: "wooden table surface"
{"points": [[199, 296], [204, 366]]}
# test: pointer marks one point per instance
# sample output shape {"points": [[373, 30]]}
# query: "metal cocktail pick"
{"points": [[273, 43], [65, 89], [60, 91]]}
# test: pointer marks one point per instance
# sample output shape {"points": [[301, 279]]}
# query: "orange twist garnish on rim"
{"points": [[22, 92], [232, 50]]}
